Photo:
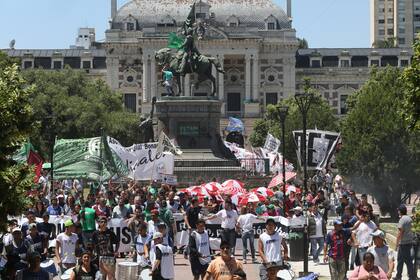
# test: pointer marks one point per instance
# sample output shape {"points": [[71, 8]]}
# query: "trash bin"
{"points": [[295, 239]]}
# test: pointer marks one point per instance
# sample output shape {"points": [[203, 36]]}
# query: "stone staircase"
{"points": [[201, 164]]}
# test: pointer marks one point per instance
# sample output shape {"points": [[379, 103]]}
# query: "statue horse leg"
{"points": [[178, 81], [211, 78]]}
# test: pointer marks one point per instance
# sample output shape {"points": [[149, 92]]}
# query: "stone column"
{"points": [[221, 80], [247, 77], [153, 82], [255, 77], [187, 85], [145, 77]]}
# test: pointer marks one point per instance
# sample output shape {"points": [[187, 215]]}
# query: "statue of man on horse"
{"points": [[188, 59]]}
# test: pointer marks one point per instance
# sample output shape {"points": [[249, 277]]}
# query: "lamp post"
{"points": [[282, 112], [304, 101], [51, 125]]}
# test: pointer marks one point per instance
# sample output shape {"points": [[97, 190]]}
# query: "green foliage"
{"points": [[410, 108], [379, 155], [416, 223], [16, 123], [68, 105], [320, 115], [385, 44]]}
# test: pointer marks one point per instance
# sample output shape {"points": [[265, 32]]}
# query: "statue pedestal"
{"points": [[193, 121]]}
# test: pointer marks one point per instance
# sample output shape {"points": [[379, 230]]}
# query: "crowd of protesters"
{"points": [[355, 248]]}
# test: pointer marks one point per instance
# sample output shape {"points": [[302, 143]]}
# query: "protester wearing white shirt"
{"points": [[246, 225], [384, 256], [229, 218], [362, 234], [66, 244]]}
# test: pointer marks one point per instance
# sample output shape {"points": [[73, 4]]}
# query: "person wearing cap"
{"points": [[384, 256], [66, 244], [54, 209], [404, 244], [344, 201], [225, 267], [153, 223], [106, 245], [317, 229], [166, 216], [36, 242], [361, 235], [15, 253], [271, 210], [334, 250], [269, 248], [229, 217], [86, 270], [162, 260], [34, 270]]}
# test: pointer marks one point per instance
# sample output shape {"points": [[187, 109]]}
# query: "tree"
{"points": [[16, 124], [410, 108], [379, 155], [320, 115], [68, 104], [385, 44]]}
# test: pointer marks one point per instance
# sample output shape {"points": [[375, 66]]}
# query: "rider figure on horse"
{"points": [[190, 54]]}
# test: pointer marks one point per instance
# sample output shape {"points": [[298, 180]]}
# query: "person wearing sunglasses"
{"points": [[104, 240]]}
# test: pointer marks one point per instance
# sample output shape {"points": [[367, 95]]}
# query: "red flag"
{"points": [[35, 159]]}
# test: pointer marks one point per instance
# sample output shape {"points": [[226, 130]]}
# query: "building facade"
{"points": [[399, 19], [253, 40]]}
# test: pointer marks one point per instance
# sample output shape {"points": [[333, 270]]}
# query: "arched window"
{"points": [[130, 23], [232, 21], [271, 23]]}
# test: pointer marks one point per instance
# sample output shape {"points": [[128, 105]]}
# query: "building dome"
{"points": [[249, 12]]}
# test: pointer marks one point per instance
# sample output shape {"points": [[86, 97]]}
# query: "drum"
{"points": [[66, 274], [128, 270], [285, 274], [145, 274], [49, 266]]}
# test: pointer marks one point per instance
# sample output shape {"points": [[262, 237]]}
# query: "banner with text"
{"points": [[143, 160]]}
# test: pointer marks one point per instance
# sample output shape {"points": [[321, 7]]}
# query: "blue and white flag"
{"points": [[235, 125]]}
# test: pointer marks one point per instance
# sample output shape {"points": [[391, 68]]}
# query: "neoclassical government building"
{"points": [[254, 40]]}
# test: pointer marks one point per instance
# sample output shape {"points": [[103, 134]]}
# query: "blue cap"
{"points": [[338, 222]]}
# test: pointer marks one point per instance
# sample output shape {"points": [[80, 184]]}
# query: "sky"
{"points": [[53, 24]]}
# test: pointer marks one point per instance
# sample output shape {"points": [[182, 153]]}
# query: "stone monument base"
{"points": [[194, 122]]}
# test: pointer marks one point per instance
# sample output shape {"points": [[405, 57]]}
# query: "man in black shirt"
{"points": [[34, 271], [104, 241], [191, 216]]}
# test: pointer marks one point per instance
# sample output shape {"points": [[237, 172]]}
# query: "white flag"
{"points": [[272, 144], [165, 145]]}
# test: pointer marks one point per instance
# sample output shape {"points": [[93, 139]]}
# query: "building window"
{"points": [[401, 41], [374, 62], [27, 64], [86, 64], [130, 26], [57, 65], [381, 32], [381, 21], [271, 26], [401, 30], [233, 24], [390, 31], [316, 63], [343, 104], [404, 62], [345, 63], [390, 20], [130, 102], [200, 15], [271, 98], [233, 102]]}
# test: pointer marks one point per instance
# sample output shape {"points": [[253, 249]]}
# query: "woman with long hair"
{"points": [[368, 270]]}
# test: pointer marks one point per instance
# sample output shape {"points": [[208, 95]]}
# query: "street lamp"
{"points": [[282, 113], [304, 101]]}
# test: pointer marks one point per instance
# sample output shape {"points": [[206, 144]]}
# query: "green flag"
{"points": [[89, 158], [174, 42]]}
